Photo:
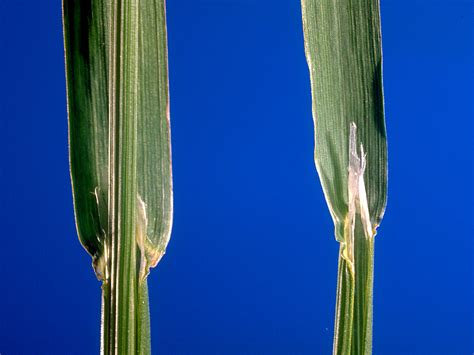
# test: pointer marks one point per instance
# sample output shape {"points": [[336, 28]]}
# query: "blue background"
{"points": [[251, 267]]}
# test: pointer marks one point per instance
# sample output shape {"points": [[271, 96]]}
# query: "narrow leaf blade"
{"points": [[343, 49], [88, 50]]}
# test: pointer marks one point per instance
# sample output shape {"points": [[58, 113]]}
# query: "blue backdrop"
{"points": [[251, 267]]}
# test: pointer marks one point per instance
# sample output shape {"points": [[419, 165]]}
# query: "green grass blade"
{"points": [[343, 50], [120, 155]]}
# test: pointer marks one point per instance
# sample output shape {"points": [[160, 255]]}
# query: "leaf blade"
{"points": [[88, 63], [343, 51], [120, 153]]}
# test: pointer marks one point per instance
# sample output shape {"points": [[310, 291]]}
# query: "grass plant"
{"points": [[344, 55], [120, 155]]}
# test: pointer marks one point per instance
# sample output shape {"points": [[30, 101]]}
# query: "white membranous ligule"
{"points": [[141, 235], [357, 204], [150, 254], [100, 261]]}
